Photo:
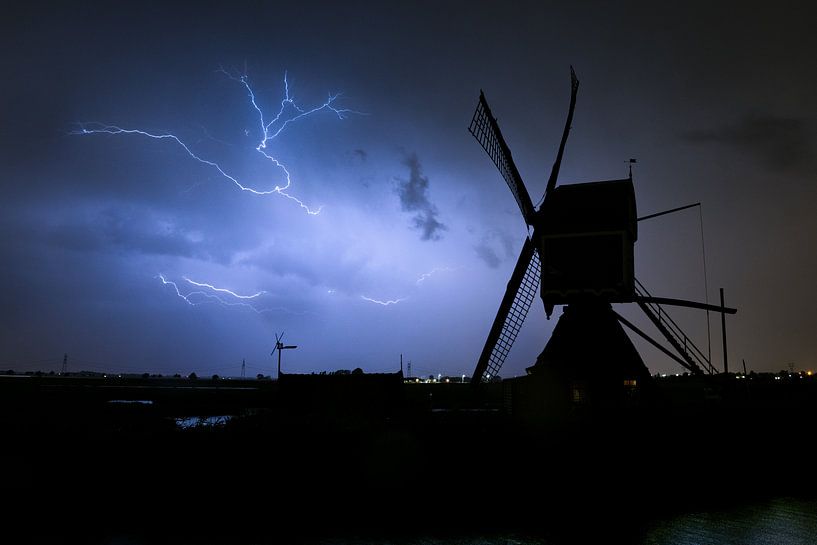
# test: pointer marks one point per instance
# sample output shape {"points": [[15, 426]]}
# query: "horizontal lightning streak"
{"points": [[210, 296], [99, 128], [229, 303], [418, 282], [215, 298], [223, 290], [427, 275], [383, 303]]}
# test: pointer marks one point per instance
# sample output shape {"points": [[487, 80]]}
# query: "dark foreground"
{"points": [[422, 460]]}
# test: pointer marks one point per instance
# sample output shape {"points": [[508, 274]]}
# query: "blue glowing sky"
{"points": [[716, 105]]}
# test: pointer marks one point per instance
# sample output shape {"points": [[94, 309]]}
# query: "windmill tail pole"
{"points": [[723, 332]]}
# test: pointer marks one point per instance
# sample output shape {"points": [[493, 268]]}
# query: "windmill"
{"points": [[280, 346], [579, 254]]}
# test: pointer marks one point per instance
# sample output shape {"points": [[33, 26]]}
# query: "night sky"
{"points": [[716, 102]]}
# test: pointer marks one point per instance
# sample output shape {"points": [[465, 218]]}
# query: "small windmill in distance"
{"points": [[279, 346]]}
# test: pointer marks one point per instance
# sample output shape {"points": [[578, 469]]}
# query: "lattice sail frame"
{"points": [[522, 290], [486, 130]]}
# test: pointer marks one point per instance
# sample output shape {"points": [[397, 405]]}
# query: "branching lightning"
{"points": [[223, 290], [269, 131], [167, 282], [198, 296]]}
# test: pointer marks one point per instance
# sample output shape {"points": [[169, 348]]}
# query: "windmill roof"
{"points": [[601, 206]]}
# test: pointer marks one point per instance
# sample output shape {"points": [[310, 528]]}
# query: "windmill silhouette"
{"points": [[280, 346], [579, 254]]}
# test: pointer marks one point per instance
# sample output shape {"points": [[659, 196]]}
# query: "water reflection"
{"points": [[783, 521]]}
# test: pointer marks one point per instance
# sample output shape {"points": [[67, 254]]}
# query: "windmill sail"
{"points": [[485, 129], [520, 293], [554, 173]]}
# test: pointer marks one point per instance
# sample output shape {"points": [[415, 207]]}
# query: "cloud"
{"points": [[144, 233], [779, 143], [413, 195], [314, 263], [361, 154], [121, 229], [494, 243], [488, 255]]}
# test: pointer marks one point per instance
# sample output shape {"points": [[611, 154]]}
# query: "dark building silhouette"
{"points": [[339, 394], [589, 368]]}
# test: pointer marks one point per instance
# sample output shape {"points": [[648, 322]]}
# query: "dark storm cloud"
{"points": [[777, 142], [129, 230], [357, 156], [488, 255], [308, 264], [413, 195], [494, 248], [133, 232]]}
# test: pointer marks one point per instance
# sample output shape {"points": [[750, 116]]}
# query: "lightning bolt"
{"points": [[427, 275], [167, 282], [223, 290], [269, 131], [418, 282], [383, 303], [191, 297]]}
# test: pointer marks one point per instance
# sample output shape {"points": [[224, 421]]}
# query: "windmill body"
{"points": [[585, 240], [580, 254]]}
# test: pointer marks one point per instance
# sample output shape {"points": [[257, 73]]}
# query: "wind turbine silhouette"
{"points": [[279, 346]]}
